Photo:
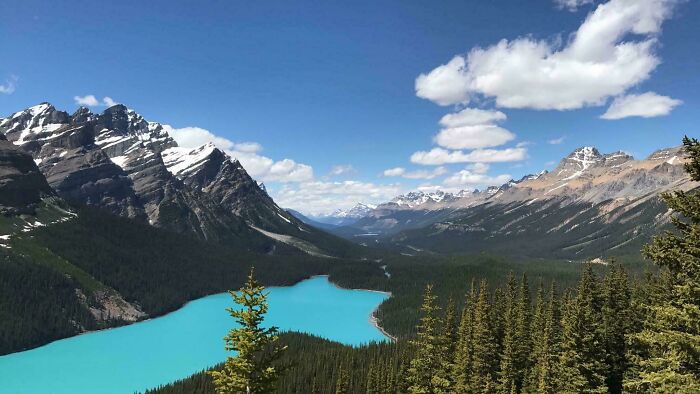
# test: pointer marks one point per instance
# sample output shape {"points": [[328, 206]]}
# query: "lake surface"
{"points": [[153, 352]]}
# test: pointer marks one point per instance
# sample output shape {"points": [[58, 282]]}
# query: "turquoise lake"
{"points": [[153, 352]]}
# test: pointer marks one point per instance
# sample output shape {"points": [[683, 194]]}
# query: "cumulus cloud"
{"points": [[612, 50], [318, 197], [479, 168], [469, 179], [342, 169], [91, 101], [556, 141], [473, 137], [572, 5], [439, 156], [418, 174], [445, 85], [9, 86], [472, 117], [646, 105], [108, 101], [258, 166], [396, 171]]}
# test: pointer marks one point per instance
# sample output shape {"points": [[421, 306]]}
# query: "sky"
{"points": [[333, 103]]}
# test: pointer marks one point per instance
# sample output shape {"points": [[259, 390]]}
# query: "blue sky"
{"points": [[336, 100]]}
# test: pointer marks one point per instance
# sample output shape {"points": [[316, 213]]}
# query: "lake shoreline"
{"points": [[372, 319]]}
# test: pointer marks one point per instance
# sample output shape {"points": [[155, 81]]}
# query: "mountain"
{"points": [[592, 204], [22, 186], [345, 217], [418, 209], [121, 163]]}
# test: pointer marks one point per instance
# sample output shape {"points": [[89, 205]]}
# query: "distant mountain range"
{"points": [[590, 204], [121, 163]]}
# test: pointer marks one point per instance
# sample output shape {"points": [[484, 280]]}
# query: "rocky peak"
{"points": [[576, 163], [82, 115], [22, 185], [669, 155]]}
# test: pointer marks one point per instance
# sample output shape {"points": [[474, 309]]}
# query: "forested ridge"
{"points": [[157, 270], [501, 340], [606, 334]]}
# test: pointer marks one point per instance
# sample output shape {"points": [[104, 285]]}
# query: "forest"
{"points": [[607, 334]]}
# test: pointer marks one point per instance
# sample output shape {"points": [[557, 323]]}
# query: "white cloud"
{"points": [[612, 50], [9, 86], [472, 137], [88, 101], [446, 84], [556, 141], [646, 105], [91, 101], [438, 156], [572, 5], [479, 168], [472, 117], [396, 171], [468, 179], [342, 169], [318, 197], [108, 102], [418, 174], [259, 167]]}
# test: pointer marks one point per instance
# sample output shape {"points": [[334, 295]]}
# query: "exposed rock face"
{"points": [[21, 183], [120, 162]]}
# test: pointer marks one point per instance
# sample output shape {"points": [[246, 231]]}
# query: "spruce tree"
{"points": [[484, 358], [523, 346], [372, 381], [444, 378], [666, 353], [424, 372], [508, 373], [545, 382], [616, 320], [583, 368], [461, 368], [342, 383], [252, 369], [538, 325]]}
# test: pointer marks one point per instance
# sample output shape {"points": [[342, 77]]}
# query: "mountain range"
{"points": [[590, 204], [123, 164]]}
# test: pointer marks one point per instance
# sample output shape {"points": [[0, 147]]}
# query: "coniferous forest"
{"points": [[608, 333]]}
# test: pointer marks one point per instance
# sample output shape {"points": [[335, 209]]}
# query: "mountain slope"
{"points": [[590, 205], [130, 167]]}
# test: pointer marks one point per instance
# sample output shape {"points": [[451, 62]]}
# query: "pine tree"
{"points": [[616, 320], [445, 381], [523, 346], [548, 361], [423, 373], [463, 353], [484, 358], [342, 383], [507, 373], [666, 353], [538, 325], [372, 380], [583, 356], [252, 370]]}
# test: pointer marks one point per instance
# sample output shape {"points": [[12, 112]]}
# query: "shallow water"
{"points": [[153, 352]]}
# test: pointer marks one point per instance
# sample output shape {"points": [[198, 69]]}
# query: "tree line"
{"points": [[605, 335]]}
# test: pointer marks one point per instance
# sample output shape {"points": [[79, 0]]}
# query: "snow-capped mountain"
{"points": [[345, 217], [120, 162], [358, 211], [588, 192], [591, 204]]}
